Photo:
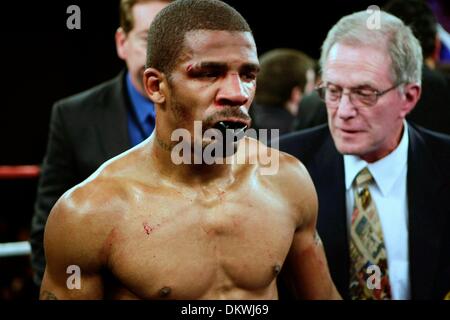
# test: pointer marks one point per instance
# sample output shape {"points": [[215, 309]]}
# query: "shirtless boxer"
{"points": [[142, 227]]}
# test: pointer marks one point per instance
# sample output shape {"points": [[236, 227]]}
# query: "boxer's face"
{"points": [[214, 81], [132, 46]]}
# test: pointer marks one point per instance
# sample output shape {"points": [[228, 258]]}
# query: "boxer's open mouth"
{"points": [[236, 126]]}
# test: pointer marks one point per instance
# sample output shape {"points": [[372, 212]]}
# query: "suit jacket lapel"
{"points": [[111, 121], [328, 170], [425, 216]]}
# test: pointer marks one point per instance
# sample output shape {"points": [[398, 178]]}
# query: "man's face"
{"points": [[368, 132], [214, 81], [132, 46]]}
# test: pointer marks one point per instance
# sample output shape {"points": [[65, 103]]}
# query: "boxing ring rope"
{"points": [[21, 248], [19, 172], [14, 249]]}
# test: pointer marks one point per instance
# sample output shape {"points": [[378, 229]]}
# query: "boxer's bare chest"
{"points": [[208, 246]]}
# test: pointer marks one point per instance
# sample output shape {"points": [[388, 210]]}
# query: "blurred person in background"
{"points": [[95, 125], [433, 108], [286, 76]]}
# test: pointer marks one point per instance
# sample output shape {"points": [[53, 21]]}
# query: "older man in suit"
{"points": [[382, 182], [93, 126]]}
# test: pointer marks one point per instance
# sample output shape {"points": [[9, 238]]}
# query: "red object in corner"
{"points": [[19, 172]]}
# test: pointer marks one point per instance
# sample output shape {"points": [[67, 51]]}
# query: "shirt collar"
{"points": [[142, 106], [384, 171]]}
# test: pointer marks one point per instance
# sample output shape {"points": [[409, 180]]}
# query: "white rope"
{"points": [[12, 249]]}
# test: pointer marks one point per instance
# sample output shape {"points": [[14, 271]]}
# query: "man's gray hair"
{"points": [[403, 47]]}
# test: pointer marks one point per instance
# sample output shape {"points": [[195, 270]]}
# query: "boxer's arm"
{"points": [[73, 263], [307, 264], [309, 269]]}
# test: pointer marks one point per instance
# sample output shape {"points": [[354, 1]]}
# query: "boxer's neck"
{"points": [[185, 173]]}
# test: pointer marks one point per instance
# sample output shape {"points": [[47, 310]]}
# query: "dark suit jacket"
{"points": [[428, 187], [271, 117], [85, 130]]}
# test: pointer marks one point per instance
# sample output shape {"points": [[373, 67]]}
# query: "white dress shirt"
{"points": [[390, 196]]}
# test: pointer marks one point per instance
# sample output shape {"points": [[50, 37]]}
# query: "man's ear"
{"points": [[121, 38], [411, 95], [310, 81], [153, 83], [293, 103], [296, 95]]}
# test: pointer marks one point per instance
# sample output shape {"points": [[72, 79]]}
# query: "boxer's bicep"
{"points": [[307, 261], [309, 269], [60, 284]]}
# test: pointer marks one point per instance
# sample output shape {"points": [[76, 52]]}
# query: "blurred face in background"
{"points": [[132, 46]]}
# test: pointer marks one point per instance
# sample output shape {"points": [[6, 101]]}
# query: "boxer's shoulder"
{"points": [[289, 168], [80, 223], [292, 183], [99, 199]]}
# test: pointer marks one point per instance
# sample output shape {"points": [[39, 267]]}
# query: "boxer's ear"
{"points": [[153, 80]]}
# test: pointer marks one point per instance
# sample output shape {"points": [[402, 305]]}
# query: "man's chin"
{"points": [[347, 143], [348, 148]]}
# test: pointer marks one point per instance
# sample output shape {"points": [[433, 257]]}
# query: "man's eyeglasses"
{"points": [[359, 97]]}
